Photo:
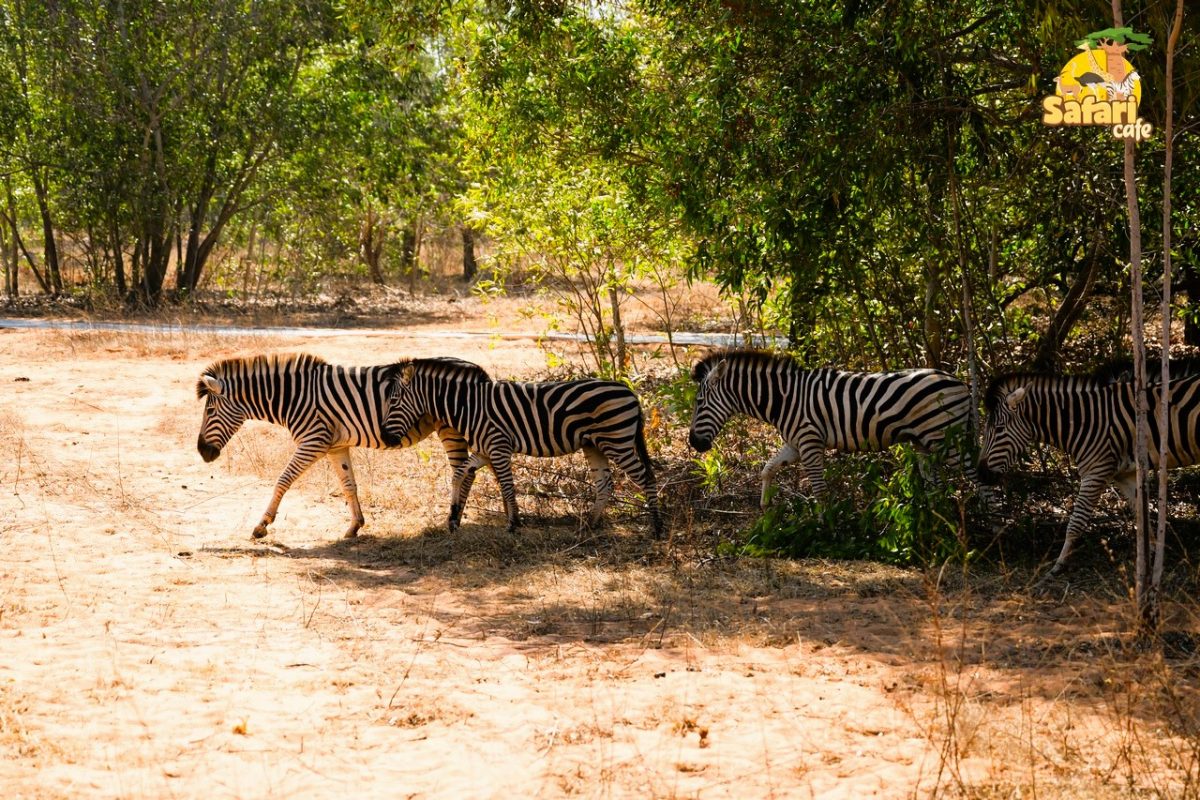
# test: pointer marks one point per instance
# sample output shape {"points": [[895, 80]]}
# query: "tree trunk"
{"points": [[1163, 405], [622, 353], [408, 249], [248, 258], [180, 279], [470, 265], [11, 289], [370, 245], [414, 257], [19, 243], [932, 325], [963, 265], [1072, 308], [190, 263], [118, 261], [1147, 608], [50, 252], [156, 255]]}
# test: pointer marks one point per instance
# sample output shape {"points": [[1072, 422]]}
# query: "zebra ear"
{"points": [[718, 370], [407, 374], [213, 385], [1015, 397]]}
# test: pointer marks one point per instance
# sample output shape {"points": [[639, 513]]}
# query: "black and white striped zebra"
{"points": [[821, 409], [1091, 418], [501, 418], [327, 408]]}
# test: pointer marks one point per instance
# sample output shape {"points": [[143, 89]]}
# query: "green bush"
{"points": [[899, 508]]}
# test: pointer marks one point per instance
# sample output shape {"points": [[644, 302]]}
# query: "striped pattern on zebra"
{"points": [[327, 408], [821, 409], [1091, 418], [501, 418]]}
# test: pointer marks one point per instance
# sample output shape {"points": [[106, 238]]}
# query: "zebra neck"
{"points": [[763, 394], [262, 399], [450, 401], [1061, 409]]}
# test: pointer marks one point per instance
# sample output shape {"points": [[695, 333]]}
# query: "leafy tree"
{"points": [[155, 119], [860, 162]]}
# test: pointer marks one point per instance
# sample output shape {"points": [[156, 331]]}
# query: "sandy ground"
{"points": [[149, 649]]}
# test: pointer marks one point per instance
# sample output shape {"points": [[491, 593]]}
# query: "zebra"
{"points": [[1091, 418], [327, 408], [820, 409], [501, 418]]}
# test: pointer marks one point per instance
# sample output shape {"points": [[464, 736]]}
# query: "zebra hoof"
{"points": [[1050, 585], [451, 526], [351, 534]]}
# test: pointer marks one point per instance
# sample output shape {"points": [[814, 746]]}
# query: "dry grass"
{"points": [[557, 660]]}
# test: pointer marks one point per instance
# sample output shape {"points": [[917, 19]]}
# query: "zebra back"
{"points": [[309, 396], [558, 417], [530, 418], [850, 410], [1092, 417]]}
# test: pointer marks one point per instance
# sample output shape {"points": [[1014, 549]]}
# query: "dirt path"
{"points": [[149, 649]]}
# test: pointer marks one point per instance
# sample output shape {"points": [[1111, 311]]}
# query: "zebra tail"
{"points": [[639, 440]]}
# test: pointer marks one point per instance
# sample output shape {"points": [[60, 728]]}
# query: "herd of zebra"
{"points": [[481, 421]]}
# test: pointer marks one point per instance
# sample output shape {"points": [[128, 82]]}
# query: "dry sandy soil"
{"points": [[148, 648]]}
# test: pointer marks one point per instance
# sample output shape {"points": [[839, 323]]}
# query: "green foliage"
{"points": [[709, 467], [855, 175], [678, 395], [811, 157], [897, 512]]}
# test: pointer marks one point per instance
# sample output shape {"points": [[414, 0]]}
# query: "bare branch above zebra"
{"points": [[821, 409], [501, 418], [327, 408], [1091, 419]]}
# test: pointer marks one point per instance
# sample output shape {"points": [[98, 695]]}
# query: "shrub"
{"points": [[896, 510]]}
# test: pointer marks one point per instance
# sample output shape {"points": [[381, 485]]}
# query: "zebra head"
{"points": [[222, 416], [402, 413], [1007, 432], [714, 403]]}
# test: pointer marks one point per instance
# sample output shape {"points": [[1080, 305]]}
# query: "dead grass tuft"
{"points": [[17, 740]]}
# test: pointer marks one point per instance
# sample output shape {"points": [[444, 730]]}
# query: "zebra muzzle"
{"points": [[699, 443], [207, 451], [988, 476]]}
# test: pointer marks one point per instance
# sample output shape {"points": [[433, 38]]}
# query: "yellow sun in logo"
{"points": [[1102, 73]]}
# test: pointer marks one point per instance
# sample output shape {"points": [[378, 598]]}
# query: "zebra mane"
{"points": [[744, 357], [230, 368], [1116, 370], [1000, 385], [447, 368]]}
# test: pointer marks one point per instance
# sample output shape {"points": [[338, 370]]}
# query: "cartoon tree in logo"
{"points": [[1115, 79]]}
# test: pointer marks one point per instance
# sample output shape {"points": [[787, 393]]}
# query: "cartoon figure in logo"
{"points": [[1101, 69]]}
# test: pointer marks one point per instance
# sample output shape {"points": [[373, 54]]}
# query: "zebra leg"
{"points": [[502, 467], [811, 456], [339, 457], [1090, 488], [304, 457], [601, 482], [1127, 485], [462, 465], [787, 455], [635, 463], [460, 488]]}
